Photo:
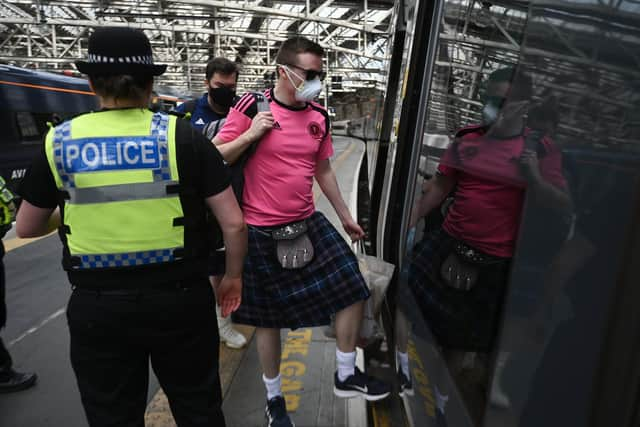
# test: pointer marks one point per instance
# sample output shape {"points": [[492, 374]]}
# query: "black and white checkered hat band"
{"points": [[101, 59]]}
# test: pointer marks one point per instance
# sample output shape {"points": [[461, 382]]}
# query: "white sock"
{"points": [[273, 386], [346, 364], [403, 359]]}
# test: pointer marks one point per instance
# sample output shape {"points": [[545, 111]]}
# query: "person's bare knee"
{"points": [[348, 321]]}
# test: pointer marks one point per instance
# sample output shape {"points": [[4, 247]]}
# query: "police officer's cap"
{"points": [[118, 50]]}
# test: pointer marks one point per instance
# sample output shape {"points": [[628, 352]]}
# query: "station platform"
{"points": [[308, 356]]}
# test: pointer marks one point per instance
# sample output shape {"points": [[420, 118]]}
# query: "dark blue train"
{"points": [[30, 101]]}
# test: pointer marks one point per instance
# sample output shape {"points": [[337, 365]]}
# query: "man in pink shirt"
{"points": [[289, 146], [458, 272]]}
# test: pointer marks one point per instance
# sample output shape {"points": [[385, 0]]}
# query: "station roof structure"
{"points": [[185, 34], [598, 51]]}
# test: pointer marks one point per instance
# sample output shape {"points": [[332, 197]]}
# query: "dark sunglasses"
{"points": [[310, 74]]}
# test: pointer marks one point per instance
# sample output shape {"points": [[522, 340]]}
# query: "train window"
{"points": [[525, 186], [10, 128], [32, 126], [27, 125]]}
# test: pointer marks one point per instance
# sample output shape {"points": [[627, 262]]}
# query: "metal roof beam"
{"points": [[277, 12], [186, 34], [169, 28]]}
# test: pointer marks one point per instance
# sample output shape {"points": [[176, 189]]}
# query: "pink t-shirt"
{"points": [[490, 189], [278, 177]]}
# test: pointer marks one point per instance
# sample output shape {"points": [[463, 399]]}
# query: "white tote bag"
{"points": [[377, 274]]}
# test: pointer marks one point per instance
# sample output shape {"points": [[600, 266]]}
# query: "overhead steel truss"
{"points": [[598, 51], [185, 34]]}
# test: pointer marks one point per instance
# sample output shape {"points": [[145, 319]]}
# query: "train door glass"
{"points": [[475, 40], [526, 179], [583, 58]]}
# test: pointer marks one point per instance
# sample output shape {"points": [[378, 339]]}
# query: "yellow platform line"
{"points": [[380, 414], [16, 242]]}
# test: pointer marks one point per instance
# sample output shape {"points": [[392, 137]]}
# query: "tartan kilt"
{"points": [[274, 297], [459, 319]]}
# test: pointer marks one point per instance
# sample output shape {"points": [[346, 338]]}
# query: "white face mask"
{"points": [[308, 90]]}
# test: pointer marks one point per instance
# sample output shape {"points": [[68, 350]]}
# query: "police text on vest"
{"points": [[110, 153]]}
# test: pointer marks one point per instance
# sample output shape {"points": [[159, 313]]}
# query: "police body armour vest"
{"points": [[119, 173], [7, 207]]}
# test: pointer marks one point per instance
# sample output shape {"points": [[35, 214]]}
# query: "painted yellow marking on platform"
{"points": [[380, 414], [16, 242], [158, 412], [292, 368], [422, 382]]}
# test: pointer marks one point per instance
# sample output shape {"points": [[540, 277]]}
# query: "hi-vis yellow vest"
{"points": [[118, 169]]}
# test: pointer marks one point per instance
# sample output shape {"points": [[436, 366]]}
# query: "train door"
{"points": [[530, 111]]}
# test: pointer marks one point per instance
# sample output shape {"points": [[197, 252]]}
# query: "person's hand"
{"points": [[353, 230], [229, 294], [529, 165], [261, 124]]}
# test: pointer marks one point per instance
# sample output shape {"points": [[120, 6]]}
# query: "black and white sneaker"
{"points": [[360, 384], [276, 413], [406, 387]]}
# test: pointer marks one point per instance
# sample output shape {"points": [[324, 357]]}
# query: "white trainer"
{"points": [[229, 336]]}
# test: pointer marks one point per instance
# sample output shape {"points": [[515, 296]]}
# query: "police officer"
{"points": [[10, 380], [132, 187]]}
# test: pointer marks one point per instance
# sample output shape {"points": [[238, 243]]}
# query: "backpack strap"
{"points": [[211, 129], [262, 102]]}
